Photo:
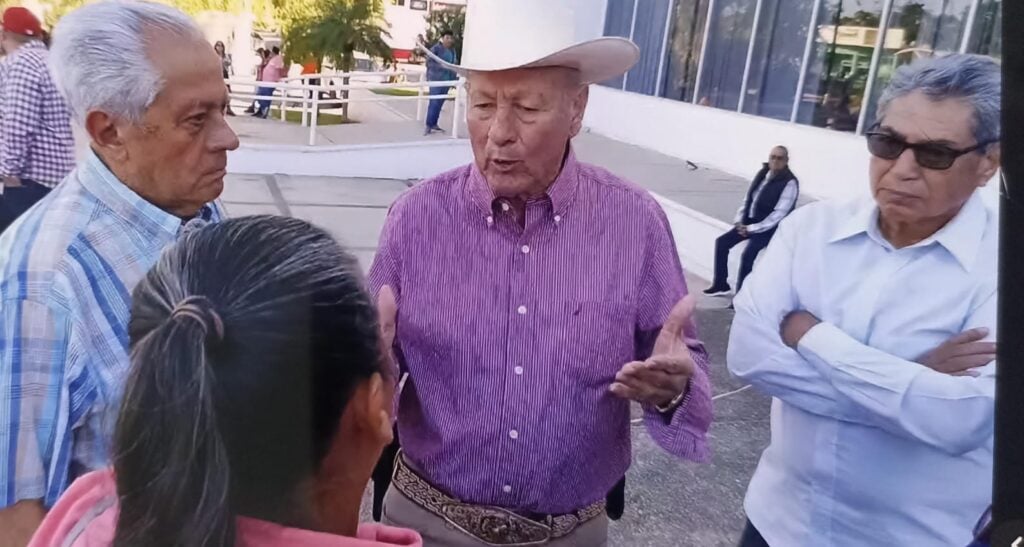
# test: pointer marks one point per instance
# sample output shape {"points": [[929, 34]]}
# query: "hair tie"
{"points": [[201, 309]]}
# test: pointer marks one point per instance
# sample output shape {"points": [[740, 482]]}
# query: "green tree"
{"points": [[453, 19], [335, 30]]}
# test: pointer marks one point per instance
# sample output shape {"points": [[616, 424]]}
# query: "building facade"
{"points": [[821, 63], [719, 82]]}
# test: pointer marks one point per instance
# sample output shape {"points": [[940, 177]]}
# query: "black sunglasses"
{"points": [[929, 155]]}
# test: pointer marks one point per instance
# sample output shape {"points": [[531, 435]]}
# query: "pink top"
{"points": [[86, 516], [274, 70]]}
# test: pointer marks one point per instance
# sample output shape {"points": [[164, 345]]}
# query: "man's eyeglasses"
{"points": [[775, 157], [927, 154]]}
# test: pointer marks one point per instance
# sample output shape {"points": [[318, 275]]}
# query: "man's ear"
{"points": [[106, 134], [988, 165], [579, 107]]}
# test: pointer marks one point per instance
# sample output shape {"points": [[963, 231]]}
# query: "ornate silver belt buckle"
{"points": [[494, 525]]}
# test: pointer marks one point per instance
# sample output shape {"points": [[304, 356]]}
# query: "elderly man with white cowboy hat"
{"points": [[537, 297]]}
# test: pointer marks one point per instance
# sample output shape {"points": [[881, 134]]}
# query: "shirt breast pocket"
{"points": [[596, 338]]}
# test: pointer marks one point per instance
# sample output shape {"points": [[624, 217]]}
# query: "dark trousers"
{"points": [[751, 537], [18, 199], [264, 104], [435, 106], [725, 243], [313, 81]]}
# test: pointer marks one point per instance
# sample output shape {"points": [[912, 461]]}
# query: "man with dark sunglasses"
{"points": [[771, 197], [882, 370]]}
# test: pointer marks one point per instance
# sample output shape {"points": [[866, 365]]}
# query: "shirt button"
{"points": [[522, 310], [504, 206], [518, 371], [558, 218], [507, 489], [526, 249], [490, 220], [514, 434]]}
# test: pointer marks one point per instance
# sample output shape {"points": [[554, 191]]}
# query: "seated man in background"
{"points": [[771, 197], [872, 325], [146, 85]]}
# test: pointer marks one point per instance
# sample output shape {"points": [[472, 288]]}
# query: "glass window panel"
{"points": [[986, 37], [917, 28], [728, 39], [649, 34], [778, 53], [687, 33], [837, 69], [618, 21]]}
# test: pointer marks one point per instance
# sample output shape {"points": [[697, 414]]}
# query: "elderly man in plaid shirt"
{"points": [[36, 147], [146, 86]]}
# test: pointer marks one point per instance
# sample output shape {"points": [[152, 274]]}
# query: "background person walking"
{"points": [[436, 72], [37, 149]]}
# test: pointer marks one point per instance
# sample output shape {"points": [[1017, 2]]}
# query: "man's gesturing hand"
{"points": [[962, 353], [666, 374]]}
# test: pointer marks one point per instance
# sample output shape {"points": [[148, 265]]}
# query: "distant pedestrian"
{"points": [[311, 66], [227, 69], [272, 72], [262, 56], [771, 197], [37, 149], [436, 72]]}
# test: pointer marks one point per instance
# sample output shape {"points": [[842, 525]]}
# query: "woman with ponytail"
{"points": [[258, 403]]}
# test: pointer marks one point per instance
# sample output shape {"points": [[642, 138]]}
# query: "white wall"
{"points": [[589, 17], [828, 163]]}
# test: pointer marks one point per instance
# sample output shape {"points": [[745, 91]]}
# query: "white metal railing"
{"points": [[306, 98]]}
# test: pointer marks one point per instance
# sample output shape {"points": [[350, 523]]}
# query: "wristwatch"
{"points": [[675, 402]]}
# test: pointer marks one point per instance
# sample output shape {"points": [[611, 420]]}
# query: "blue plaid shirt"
{"points": [[35, 125], [67, 269]]}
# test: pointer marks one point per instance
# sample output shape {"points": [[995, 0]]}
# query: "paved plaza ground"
{"points": [[670, 503]]}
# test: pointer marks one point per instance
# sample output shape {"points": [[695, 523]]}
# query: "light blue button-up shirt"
{"points": [[869, 448], [67, 269]]}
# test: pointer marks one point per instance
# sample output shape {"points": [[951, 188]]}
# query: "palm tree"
{"points": [[335, 30]]}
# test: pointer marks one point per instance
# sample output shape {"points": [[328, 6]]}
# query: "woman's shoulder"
{"points": [[87, 510]]}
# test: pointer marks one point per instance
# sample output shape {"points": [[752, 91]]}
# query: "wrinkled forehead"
{"points": [[524, 81], [918, 117]]}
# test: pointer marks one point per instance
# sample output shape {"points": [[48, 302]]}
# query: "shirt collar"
{"points": [[961, 237], [123, 201], [561, 192]]}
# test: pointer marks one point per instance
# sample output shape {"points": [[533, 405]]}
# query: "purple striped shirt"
{"points": [[512, 335]]}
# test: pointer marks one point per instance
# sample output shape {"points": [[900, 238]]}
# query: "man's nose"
{"points": [[503, 128], [906, 166], [223, 138]]}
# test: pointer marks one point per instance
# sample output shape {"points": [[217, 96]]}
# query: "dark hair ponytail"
{"points": [[168, 428], [247, 340]]}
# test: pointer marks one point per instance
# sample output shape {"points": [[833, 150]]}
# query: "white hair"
{"points": [[98, 56], [975, 78]]}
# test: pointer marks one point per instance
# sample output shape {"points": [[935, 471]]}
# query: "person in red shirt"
{"points": [[259, 400]]}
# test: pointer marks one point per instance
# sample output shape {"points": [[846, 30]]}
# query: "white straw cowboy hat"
{"points": [[507, 34]]}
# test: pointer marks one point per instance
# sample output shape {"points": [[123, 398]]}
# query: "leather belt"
{"points": [[489, 524]]}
